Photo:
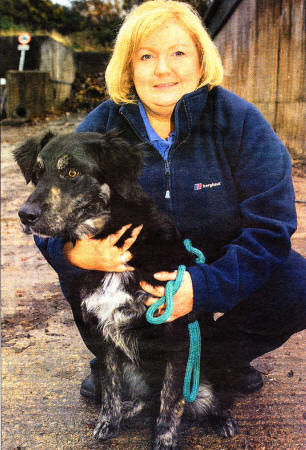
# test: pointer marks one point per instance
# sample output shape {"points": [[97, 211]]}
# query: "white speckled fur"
{"points": [[108, 297], [104, 304], [62, 162], [105, 193], [203, 403]]}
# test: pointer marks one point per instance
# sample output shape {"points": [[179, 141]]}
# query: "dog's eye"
{"points": [[37, 173], [72, 173]]}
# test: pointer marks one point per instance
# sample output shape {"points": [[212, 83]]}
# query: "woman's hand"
{"points": [[102, 254], [182, 300]]}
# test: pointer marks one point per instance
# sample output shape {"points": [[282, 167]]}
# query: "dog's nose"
{"points": [[29, 214]]}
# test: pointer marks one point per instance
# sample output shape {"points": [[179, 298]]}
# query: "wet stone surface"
{"points": [[44, 360]]}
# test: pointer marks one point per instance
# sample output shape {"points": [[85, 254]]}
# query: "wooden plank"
{"points": [[290, 102], [248, 44], [262, 46]]}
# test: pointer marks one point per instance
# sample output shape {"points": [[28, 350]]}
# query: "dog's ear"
{"points": [[120, 161], [26, 155]]}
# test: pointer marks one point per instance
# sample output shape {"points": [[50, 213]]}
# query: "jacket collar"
{"points": [[187, 113]]}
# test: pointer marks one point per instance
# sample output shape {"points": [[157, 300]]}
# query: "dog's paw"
{"points": [[228, 428], [165, 442], [106, 428]]}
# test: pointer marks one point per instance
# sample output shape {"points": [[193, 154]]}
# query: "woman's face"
{"points": [[166, 66]]}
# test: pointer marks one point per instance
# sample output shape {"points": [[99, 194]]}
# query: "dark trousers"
{"points": [[263, 321]]}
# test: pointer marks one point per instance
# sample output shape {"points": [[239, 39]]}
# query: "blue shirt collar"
{"points": [[187, 113], [159, 143]]}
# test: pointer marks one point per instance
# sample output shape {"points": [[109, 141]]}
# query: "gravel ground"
{"points": [[44, 359]]}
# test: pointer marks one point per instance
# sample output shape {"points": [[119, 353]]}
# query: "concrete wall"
{"points": [[262, 46], [28, 94], [58, 60], [46, 55]]}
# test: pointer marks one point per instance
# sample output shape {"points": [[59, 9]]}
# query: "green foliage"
{"points": [[40, 15], [99, 20], [101, 17], [6, 22], [200, 5]]}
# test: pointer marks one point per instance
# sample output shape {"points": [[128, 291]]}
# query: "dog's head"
{"points": [[75, 176]]}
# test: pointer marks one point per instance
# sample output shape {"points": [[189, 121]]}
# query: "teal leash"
{"points": [[193, 363]]}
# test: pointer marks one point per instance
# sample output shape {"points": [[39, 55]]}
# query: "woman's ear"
{"points": [[26, 155]]}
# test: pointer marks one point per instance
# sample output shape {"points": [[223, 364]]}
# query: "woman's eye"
{"points": [[179, 53], [72, 173], [145, 57]]}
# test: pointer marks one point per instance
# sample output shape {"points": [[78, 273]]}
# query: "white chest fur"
{"points": [[105, 304], [107, 297]]}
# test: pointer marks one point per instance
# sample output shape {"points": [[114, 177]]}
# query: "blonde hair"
{"points": [[138, 24]]}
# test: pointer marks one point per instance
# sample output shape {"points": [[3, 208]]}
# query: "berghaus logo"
{"points": [[198, 186]]}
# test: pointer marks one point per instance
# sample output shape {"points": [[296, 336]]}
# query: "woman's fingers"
{"points": [[103, 254], [130, 241], [114, 238], [125, 257], [157, 291], [150, 301], [124, 268], [165, 276], [182, 300]]}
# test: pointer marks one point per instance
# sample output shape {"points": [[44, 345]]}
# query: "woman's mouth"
{"points": [[165, 85]]}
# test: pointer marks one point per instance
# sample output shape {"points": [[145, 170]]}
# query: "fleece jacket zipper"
{"points": [[166, 162], [167, 174]]}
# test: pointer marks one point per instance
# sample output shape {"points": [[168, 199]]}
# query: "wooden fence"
{"points": [[262, 45]]}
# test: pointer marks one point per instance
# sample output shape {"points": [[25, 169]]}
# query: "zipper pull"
{"points": [[167, 195]]}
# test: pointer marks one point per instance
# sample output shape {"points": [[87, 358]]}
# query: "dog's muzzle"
{"points": [[29, 214]]}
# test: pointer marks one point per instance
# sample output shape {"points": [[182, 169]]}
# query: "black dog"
{"points": [[86, 184]]}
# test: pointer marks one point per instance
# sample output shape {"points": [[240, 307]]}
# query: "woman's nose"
{"points": [[162, 66]]}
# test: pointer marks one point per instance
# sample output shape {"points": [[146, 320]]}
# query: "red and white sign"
{"points": [[24, 38]]}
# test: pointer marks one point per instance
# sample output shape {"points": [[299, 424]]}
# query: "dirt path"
{"points": [[44, 360]]}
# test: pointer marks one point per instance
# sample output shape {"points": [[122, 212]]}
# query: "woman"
{"points": [[214, 165]]}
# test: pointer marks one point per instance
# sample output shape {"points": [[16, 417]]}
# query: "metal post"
{"points": [[21, 60], [23, 38]]}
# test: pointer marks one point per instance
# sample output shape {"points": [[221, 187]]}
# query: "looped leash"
{"points": [[193, 363], [171, 289]]}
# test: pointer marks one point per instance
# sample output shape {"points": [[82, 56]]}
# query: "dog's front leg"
{"points": [[111, 409], [171, 408]]}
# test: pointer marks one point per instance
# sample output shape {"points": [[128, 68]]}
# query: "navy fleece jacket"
{"points": [[231, 193]]}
